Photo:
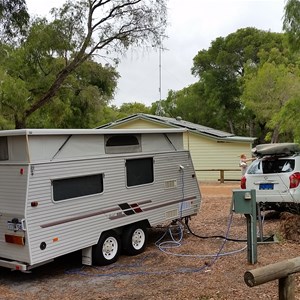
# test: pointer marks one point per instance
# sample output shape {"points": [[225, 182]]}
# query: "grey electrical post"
{"points": [[244, 202]]}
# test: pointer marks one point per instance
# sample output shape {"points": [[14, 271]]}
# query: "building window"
{"points": [[3, 148], [75, 187], [139, 171], [122, 143]]}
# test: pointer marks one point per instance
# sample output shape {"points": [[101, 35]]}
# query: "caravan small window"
{"points": [[139, 171], [75, 187], [3, 148], [122, 143]]}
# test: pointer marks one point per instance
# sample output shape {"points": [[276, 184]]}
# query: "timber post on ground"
{"points": [[222, 171], [283, 271]]}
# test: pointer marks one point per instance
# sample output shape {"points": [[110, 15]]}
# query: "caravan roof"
{"points": [[37, 145], [85, 131]]}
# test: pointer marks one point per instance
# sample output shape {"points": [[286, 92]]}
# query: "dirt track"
{"points": [[198, 270]]}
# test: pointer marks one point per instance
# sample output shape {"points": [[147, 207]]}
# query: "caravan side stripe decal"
{"points": [[121, 215], [92, 214], [126, 210], [101, 212]]}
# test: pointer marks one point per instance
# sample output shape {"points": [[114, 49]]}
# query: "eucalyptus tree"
{"points": [[14, 19], [127, 109], [267, 92], [81, 100], [291, 23], [222, 67], [24, 76], [78, 32], [191, 104], [289, 114]]}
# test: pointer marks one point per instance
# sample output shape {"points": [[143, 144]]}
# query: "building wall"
{"points": [[207, 153]]}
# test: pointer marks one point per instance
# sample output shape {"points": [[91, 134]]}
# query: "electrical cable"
{"points": [[213, 236], [164, 246]]}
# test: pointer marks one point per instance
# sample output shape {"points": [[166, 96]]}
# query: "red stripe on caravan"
{"points": [[136, 208]]}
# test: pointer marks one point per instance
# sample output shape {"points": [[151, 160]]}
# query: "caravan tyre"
{"points": [[107, 250], [134, 239]]}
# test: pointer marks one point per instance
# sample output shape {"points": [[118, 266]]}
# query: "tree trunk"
{"points": [[19, 124], [231, 126], [275, 135]]}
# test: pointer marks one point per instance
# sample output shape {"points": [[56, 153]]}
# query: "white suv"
{"points": [[275, 175]]}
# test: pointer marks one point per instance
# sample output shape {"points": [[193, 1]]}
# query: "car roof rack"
{"points": [[276, 149]]}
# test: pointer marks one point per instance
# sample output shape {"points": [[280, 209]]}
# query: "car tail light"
{"points": [[294, 180], [243, 183]]}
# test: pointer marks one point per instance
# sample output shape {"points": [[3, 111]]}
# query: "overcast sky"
{"points": [[193, 24]]}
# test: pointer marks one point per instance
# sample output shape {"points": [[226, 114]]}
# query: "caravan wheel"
{"points": [[134, 239], [107, 249]]}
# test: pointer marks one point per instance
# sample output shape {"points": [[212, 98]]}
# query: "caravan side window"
{"points": [[75, 187], [122, 143], [139, 171], [3, 148]]}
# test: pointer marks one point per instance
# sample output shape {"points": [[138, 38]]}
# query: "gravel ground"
{"points": [[196, 268]]}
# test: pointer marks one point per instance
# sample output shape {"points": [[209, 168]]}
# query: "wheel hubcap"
{"points": [[138, 239], [110, 248]]}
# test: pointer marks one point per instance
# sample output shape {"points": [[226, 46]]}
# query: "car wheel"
{"points": [[134, 239], [107, 250]]}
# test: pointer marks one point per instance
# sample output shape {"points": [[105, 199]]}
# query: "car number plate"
{"points": [[266, 186]]}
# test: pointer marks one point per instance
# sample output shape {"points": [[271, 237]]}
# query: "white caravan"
{"points": [[63, 190]]}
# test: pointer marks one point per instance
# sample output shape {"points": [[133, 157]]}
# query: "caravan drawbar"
{"points": [[94, 190]]}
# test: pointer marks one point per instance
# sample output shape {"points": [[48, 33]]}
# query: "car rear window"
{"points": [[271, 165]]}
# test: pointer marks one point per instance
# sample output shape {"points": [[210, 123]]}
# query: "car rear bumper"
{"points": [[277, 197]]}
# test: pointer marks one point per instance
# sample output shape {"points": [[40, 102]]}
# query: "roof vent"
{"points": [[178, 118]]}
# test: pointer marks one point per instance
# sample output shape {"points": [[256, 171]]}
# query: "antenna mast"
{"points": [[159, 109]]}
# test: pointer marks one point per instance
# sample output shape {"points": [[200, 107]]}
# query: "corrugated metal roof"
{"points": [[191, 126], [178, 122]]}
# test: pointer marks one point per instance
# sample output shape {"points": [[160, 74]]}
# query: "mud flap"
{"points": [[86, 255]]}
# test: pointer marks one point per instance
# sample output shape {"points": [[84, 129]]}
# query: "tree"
{"points": [[78, 32], [79, 101], [14, 18], [127, 109], [289, 115], [289, 118], [291, 23], [191, 104], [268, 91], [221, 68]]}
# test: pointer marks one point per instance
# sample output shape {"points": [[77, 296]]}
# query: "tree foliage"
{"points": [[14, 19], [289, 117], [191, 104], [127, 109], [268, 91], [289, 114], [54, 50], [221, 69], [247, 82], [291, 23], [27, 73]]}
